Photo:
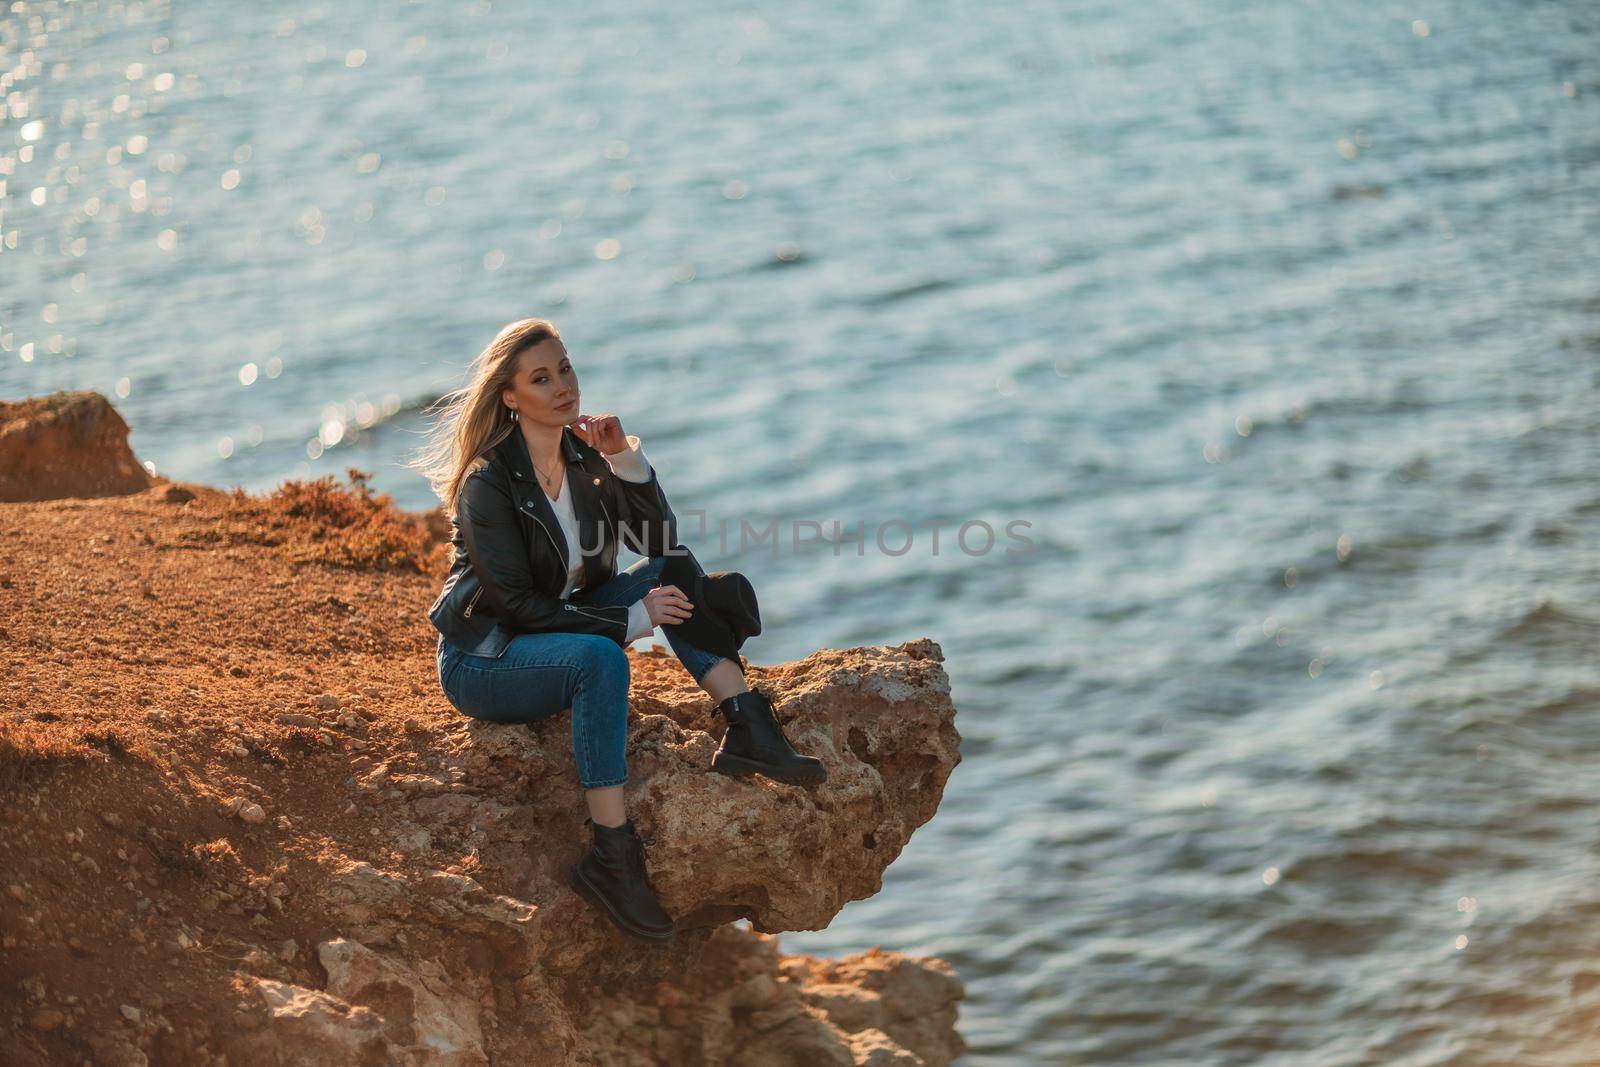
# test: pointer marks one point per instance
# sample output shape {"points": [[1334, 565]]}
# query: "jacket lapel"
{"points": [[584, 485], [531, 500]]}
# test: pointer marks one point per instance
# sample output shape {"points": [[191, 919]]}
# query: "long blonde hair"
{"points": [[473, 419]]}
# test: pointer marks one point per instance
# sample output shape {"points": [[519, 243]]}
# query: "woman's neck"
{"points": [[544, 445]]}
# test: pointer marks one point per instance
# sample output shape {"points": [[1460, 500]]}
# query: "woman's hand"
{"points": [[603, 432], [667, 604]]}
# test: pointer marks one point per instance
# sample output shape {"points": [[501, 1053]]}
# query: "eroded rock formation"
{"points": [[66, 445], [239, 824]]}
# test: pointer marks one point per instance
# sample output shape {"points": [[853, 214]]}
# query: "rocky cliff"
{"points": [[239, 824]]}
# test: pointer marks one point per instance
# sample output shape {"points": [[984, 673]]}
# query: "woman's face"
{"points": [[545, 387]]}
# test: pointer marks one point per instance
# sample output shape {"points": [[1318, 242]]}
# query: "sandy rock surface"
{"points": [[239, 823]]}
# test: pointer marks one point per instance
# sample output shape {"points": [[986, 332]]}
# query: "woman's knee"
{"points": [[601, 658]]}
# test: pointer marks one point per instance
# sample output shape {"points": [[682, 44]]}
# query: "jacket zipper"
{"points": [[472, 603], [547, 533], [607, 511], [569, 605], [552, 536]]}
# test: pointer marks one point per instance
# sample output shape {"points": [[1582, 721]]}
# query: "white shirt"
{"points": [[631, 466]]}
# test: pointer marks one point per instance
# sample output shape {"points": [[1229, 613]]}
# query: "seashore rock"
{"points": [[66, 445], [197, 875]]}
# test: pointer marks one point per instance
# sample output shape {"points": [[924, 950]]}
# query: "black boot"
{"points": [[612, 876], [755, 744]]}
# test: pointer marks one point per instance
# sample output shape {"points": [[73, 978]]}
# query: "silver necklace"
{"points": [[548, 481]]}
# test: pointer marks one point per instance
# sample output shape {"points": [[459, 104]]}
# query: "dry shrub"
{"points": [[344, 525], [301, 737], [27, 747], [216, 860], [117, 738], [170, 851]]}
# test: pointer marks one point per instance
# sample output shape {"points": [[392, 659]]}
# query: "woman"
{"points": [[534, 618]]}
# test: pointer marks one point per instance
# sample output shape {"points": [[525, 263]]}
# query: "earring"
{"points": [[513, 414]]}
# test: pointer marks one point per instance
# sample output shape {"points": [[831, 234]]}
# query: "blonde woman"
{"points": [[534, 619]]}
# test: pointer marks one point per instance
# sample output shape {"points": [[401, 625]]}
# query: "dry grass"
{"points": [[31, 746], [27, 745], [343, 525]]}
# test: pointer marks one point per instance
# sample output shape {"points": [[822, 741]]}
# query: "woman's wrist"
{"points": [[629, 463], [639, 624]]}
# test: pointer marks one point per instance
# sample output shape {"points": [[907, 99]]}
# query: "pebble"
{"points": [[46, 1019], [131, 1013], [416, 840], [254, 814], [326, 700], [16, 893]]}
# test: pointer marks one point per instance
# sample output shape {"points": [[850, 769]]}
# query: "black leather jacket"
{"points": [[510, 560]]}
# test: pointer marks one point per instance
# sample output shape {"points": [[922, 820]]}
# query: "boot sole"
{"points": [[739, 767], [581, 886]]}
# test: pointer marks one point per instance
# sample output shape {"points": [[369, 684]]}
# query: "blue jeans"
{"points": [[542, 674]]}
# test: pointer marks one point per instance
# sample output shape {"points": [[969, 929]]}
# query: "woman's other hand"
{"points": [[666, 604], [603, 432]]}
